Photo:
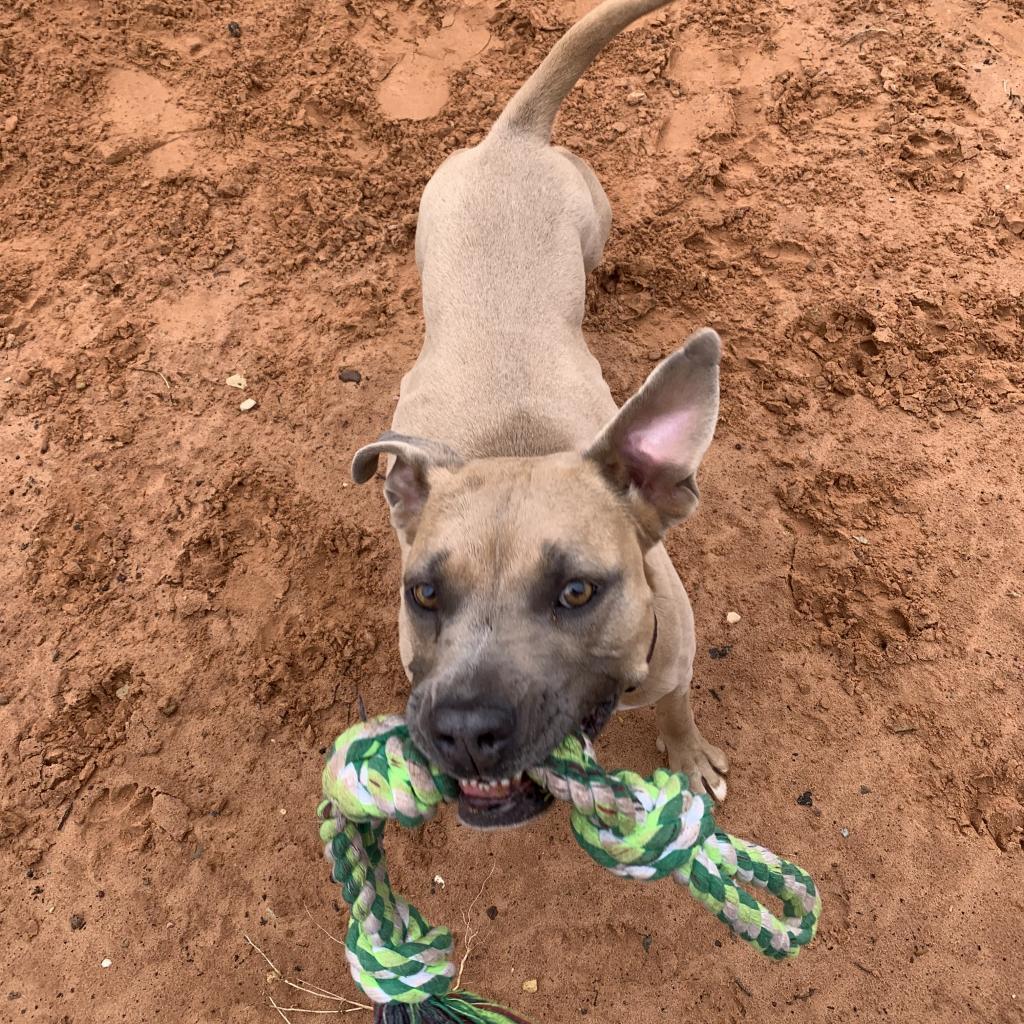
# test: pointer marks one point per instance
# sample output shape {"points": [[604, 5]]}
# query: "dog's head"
{"points": [[526, 608]]}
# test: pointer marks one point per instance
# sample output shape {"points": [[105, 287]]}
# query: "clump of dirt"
{"points": [[196, 599]]}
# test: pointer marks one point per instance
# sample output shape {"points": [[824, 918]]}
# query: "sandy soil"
{"points": [[193, 596]]}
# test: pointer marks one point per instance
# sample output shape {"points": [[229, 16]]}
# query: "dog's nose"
{"points": [[472, 739]]}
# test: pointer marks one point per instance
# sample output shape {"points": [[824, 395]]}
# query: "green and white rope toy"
{"points": [[635, 827]]}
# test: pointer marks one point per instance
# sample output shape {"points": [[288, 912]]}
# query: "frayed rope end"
{"points": [[454, 1008]]}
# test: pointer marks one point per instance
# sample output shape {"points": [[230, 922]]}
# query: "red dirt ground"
{"points": [[193, 596]]}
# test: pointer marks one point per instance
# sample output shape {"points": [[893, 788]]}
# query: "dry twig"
{"points": [[471, 934], [157, 373], [311, 988]]}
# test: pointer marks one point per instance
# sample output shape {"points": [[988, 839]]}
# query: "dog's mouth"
{"points": [[504, 803], [500, 803]]}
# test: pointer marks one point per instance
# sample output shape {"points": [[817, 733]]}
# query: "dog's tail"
{"points": [[532, 110]]}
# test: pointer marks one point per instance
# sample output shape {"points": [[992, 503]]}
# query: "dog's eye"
{"points": [[426, 596], [575, 594]]}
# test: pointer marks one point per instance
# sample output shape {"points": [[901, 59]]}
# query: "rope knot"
{"points": [[635, 827], [379, 774]]}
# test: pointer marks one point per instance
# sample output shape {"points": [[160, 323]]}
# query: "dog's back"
{"points": [[507, 232]]}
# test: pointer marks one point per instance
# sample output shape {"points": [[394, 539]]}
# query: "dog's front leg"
{"points": [[687, 750]]}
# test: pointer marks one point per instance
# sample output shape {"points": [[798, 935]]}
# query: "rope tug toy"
{"points": [[635, 827]]}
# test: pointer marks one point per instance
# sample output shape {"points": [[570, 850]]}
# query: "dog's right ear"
{"points": [[408, 481]]}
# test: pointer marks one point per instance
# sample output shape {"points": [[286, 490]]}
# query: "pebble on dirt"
{"points": [[805, 799], [247, 405], [350, 376], [717, 653], [77, 922], [492, 912], [732, 618], [530, 985], [106, 962], [234, 29], [170, 814], [236, 380]]}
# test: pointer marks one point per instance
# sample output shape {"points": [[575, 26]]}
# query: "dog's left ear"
{"points": [[407, 485], [652, 448]]}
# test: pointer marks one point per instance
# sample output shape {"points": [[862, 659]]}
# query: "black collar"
{"points": [[654, 639]]}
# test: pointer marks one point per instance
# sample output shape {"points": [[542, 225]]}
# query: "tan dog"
{"points": [[536, 594]]}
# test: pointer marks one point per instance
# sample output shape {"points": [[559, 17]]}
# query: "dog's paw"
{"points": [[704, 763]]}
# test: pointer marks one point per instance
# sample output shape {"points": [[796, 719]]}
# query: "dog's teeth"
{"points": [[505, 782]]}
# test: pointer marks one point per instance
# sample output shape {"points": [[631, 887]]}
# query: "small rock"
{"points": [[530, 985], [230, 188], [901, 728], [350, 376], [247, 405], [634, 99], [171, 815], [11, 123], [844, 832], [114, 151], [106, 962], [77, 922], [4, 700], [619, 127], [234, 30], [438, 880], [864, 790], [805, 799], [647, 941], [732, 618], [236, 380], [123, 691], [492, 912], [717, 653], [168, 706]]}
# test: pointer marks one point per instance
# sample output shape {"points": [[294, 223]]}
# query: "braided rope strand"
{"points": [[638, 828]]}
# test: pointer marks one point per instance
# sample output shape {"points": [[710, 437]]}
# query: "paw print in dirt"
{"points": [[119, 817], [994, 807], [932, 160]]}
